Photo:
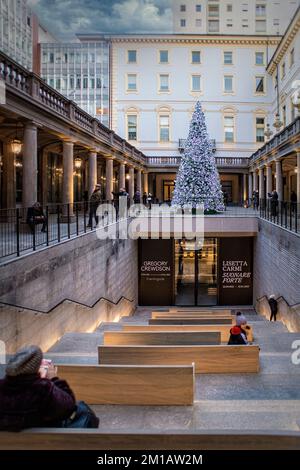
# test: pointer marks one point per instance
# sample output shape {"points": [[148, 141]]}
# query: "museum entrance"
{"points": [[196, 273]]}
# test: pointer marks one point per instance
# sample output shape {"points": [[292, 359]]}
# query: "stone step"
{"points": [[206, 415]]}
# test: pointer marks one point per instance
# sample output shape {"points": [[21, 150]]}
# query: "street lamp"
{"points": [[78, 163], [268, 133], [277, 123], [16, 144]]}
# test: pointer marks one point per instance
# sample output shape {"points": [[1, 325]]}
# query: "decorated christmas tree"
{"points": [[198, 179]]}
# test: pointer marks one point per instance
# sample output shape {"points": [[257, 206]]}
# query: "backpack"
{"points": [[84, 418]]}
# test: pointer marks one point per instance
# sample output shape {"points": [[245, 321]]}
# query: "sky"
{"points": [[67, 17]]}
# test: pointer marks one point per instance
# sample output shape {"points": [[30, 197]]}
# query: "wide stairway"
{"points": [[264, 401]]}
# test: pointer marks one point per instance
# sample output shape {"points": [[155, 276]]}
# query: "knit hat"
{"points": [[26, 361], [241, 320]]}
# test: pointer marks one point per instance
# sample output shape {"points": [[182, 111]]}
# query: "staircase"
{"points": [[265, 401]]}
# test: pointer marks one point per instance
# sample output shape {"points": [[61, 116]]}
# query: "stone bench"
{"points": [[208, 359], [96, 439], [115, 338], [223, 329], [190, 321], [131, 384]]}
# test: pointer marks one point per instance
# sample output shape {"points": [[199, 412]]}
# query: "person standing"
{"points": [[95, 201], [137, 197], [293, 201], [145, 199], [273, 307], [274, 203], [149, 200]]}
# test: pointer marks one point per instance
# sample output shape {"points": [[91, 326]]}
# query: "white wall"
{"points": [[180, 100], [282, 10]]}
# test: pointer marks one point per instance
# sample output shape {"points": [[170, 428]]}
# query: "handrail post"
{"points": [[84, 219], [47, 225], [77, 221], [33, 234], [18, 230], [69, 228], [58, 224]]}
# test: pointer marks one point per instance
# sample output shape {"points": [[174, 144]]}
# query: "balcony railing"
{"points": [[24, 82], [283, 213], [182, 144], [163, 161], [281, 138], [232, 162], [227, 162]]}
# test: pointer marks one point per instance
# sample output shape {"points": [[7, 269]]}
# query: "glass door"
{"points": [[206, 271], [196, 273], [184, 273]]}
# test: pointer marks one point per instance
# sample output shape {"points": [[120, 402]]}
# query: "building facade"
{"points": [[80, 71], [156, 82], [249, 17], [16, 32], [276, 165]]}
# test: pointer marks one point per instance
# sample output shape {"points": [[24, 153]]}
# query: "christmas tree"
{"points": [[198, 179]]}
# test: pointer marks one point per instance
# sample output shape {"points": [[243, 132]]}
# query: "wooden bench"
{"points": [[189, 315], [221, 359], [115, 338], [197, 310], [189, 321], [96, 439], [223, 329], [131, 384]]}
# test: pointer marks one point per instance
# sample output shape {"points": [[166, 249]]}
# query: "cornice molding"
{"points": [[197, 40], [284, 44]]}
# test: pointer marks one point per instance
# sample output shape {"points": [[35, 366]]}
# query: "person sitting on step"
{"points": [[31, 395], [238, 333]]}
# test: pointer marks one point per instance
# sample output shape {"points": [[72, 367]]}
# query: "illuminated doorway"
{"points": [[196, 273]]}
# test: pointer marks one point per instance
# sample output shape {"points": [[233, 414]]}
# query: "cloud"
{"points": [[67, 17]]}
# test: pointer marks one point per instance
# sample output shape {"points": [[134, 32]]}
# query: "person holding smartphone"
{"points": [[31, 394]]}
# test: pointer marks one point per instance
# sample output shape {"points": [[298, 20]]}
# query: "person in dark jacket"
{"points": [[137, 197], [273, 307], [33, 396], [95, 201], [36, 216], [237, 335], [274, 203]]}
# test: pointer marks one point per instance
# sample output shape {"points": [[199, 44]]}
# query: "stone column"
{"points": [[122, 182], [244, 188], [298, 177], [109, 179], [9, 177], [92, 172], [139, 181], [250, 187], [29, 190], [269, 179], [261, 184], [146, 185], [68, 177], [255, 185], [131, 183], [279, 182]]}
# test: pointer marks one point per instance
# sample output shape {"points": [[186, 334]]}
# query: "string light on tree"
{"points": [[198, 181]]}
